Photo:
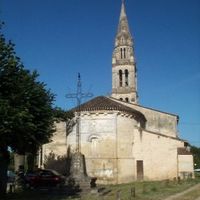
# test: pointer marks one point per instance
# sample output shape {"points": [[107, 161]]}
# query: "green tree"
{"points": [[26, 115], [196, 154], [58, 115], [59, 163]]}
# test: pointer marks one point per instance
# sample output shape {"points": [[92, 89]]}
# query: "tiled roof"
{"points": [[183, 151], [105, 103]]}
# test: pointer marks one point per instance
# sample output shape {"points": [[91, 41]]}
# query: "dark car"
{"points": [[44, 178]]}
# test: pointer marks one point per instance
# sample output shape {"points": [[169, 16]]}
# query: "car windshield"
{"points": [[54, 172]]}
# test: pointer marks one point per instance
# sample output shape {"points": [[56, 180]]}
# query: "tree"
{"points": [[196, 154], [59, 163], [26, 114]]}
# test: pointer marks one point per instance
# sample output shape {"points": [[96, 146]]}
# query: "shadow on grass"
{"points": [[45, 194]]}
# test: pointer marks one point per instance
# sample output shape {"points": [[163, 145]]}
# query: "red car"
{"points": [[44, 178]]}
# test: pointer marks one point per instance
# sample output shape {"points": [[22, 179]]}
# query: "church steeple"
{"points": [[124, 78], [123, 27]]}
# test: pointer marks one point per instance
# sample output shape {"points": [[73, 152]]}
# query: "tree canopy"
{"points": [[26, 116], [26, 113], [196, 154]]}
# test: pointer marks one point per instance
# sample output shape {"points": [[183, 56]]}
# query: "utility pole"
{"points": [[79, 95]]}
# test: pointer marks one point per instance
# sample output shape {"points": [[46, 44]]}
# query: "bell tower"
{"points": [[124, 73]]}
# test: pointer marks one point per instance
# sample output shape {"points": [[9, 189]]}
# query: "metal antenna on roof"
{"points": [[79, 95]]}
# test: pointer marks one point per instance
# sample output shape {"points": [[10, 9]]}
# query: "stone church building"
{"points": [[123, 141]]}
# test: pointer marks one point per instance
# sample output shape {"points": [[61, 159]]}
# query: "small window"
{"points": [[124, 52], [127, 100], [126, 78], [94, 146], [120, 78], [121, 99], [121, 53]]}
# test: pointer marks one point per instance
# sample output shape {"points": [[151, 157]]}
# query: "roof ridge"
{"points": [[105, 103]]}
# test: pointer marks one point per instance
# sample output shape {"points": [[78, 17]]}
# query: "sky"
{"points": [[62, 38]]}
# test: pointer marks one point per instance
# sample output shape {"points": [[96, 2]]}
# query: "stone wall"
{"points": [[113, 142], [158, 153], [98, 144], [58, 141], [157, 121], [185, 166]]}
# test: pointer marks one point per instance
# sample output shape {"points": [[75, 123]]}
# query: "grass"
{"points": [[155, 190], [192, 195]]}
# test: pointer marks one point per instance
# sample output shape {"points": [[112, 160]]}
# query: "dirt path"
{"points": [[173, 197]]}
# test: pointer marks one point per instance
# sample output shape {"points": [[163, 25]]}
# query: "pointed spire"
{"points": [[123, 27], [123, 11]]}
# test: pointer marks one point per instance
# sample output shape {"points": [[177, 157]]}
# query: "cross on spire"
{"points": [[79, 95]]}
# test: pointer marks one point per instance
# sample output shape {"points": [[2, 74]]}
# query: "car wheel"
{"points": [[27, 186], [58, 185]]}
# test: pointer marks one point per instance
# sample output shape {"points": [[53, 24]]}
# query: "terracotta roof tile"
{"points": [[105, 103]]}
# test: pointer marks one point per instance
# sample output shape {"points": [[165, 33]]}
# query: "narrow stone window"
{"points": [[94, 146], [126, 78], [124, 52], [127, 100], [120, 78], [121, 53], [121, 99], [122, 40]]}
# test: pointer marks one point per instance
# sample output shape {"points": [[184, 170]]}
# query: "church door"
{"points": [[140, 171]]}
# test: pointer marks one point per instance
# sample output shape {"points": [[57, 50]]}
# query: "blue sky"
{"points": [[61, 38]]}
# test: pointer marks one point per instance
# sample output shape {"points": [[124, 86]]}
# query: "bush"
{"points": [[59, 163]]}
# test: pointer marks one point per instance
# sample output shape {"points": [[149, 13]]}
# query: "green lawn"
{"points": [[156, 190]]}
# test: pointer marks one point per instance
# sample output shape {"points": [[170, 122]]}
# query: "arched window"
{"points": [[126, 77], [127, 100], [124, 52], [121, 99], [121, 53], [120, 78], [94, 147]]}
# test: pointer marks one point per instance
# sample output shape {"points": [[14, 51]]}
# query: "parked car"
{"points": [[44, 178]]}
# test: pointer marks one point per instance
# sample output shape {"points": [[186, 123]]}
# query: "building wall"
{"points": [[98, 144], [185, 166], [157, 121], [58, 141], [126, 127], [113, 142], [158, 153]]}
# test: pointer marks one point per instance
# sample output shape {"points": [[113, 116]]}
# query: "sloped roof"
{"points": [[105, 103], [183, 151], [118, 100]]}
